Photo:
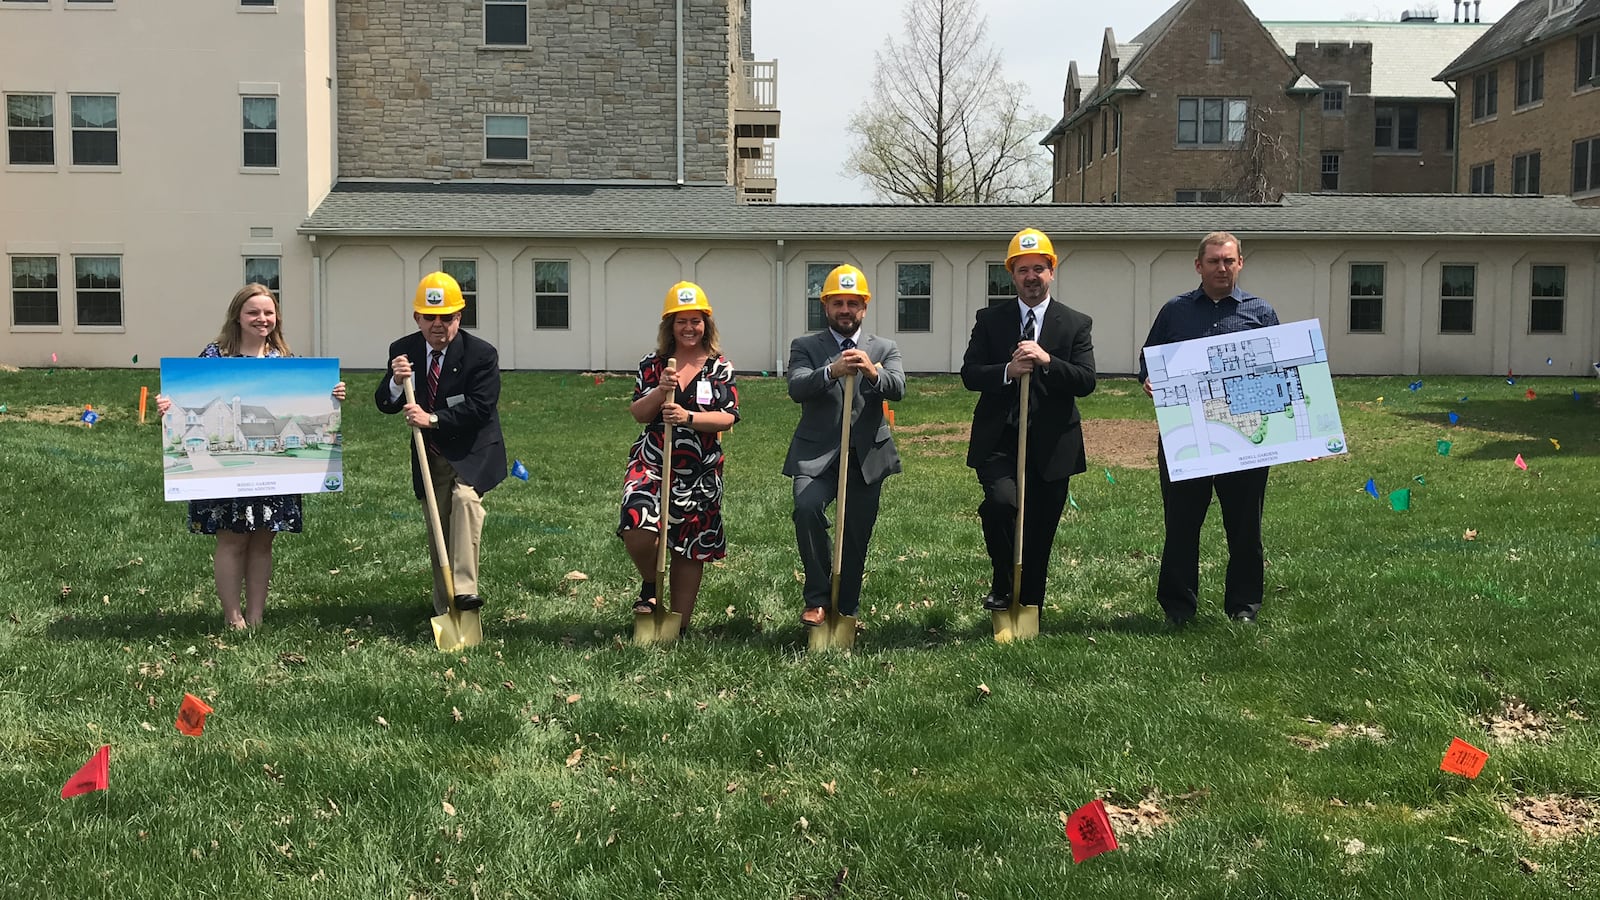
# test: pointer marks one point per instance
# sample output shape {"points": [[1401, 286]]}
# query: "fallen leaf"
{"points": [[1471, 534], [575, 575], [449, 809], [1527, 864], [1354, 847], [509, 685], [333, 571], [983, 691], [573, 698], [382, 722], [803, 825], [456, 714], [575, 758], [147, 726], [832, 787], [732, 786]]}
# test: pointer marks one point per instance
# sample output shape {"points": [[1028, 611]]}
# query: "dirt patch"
{"points": [[1515, 722], [1144, 817], [1553, 817], [1334, 732], [1123, 443], [50, 415], [8, 368]]}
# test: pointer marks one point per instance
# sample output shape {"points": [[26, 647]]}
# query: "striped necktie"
{"points": [[435, 362], [1027, 327]]}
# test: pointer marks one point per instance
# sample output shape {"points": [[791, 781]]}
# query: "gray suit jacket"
{"points": [[816, 438]]}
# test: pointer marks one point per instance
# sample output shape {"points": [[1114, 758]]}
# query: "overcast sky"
{"points": [[825, 48]]}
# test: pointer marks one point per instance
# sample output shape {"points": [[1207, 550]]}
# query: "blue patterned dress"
{"points": [[243, 515]]}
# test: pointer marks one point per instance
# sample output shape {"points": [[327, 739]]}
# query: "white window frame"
{"points": [[247, 131], [1334, 97], [1380, 298], [1525, 174], [1234, 117], [816, 274], [1448, 300], [1534, 300], [1534, 81], [1008, 289], [81, 294], [254, 265], [902, 300], [469, 286], [565, 298], [55, 273], [116, 132], [1331, 164], [1394, 113], [487, 137], [1486, 95], [11, 129], [523, 5]]}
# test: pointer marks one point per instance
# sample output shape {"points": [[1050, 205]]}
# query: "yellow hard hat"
{"points": [[685, 296], [438, 294], [1030, 240], [846, 279]]}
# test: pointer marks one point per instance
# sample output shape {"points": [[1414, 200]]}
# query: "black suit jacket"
{"points": [[468, 407], [1055, 439]]}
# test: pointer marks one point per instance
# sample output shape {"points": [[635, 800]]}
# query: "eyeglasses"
{"points": [[439, 317]]}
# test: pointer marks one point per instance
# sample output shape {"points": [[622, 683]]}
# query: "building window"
{"points": [[1333, 99], [1586, 165], [1116, 130], [94, 130], [258, 2], [1525, 174], [1085, 148], [465, 272], [1547, 312], [1482, 179], [505, 23], [1458, 294], [1330, 171], [1198, 196], [552, 294], [1105, 133], [1485, 95], [1394, 128], [1211, 121], [1588, 62], [505, 138], [1366, 298], [1000, 288], [914, 297], [35, 291], [265, 270], [1530, 79], [816, 274], [261, 132], [1214, 47], [31, 129], [98, 281]]}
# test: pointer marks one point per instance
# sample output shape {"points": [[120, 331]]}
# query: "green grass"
{"points": [[737, 765]]}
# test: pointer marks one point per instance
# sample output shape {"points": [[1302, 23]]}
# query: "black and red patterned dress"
{"points": [[696, 528]]}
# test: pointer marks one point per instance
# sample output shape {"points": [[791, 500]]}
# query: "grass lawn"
{"points": [[348, 758]]}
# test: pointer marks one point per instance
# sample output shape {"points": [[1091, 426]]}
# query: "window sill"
{"points": [[26, 167], [1584, 195], [36, 329], [505, 162], [1366, 333], [38, 7], [491, 48], [1485, 120], [99, 329], [1384, 151], [89, 6], [1526, 107], [1212, 147], [259, 10], [109, 170], [1586, 89], [259, 170]]}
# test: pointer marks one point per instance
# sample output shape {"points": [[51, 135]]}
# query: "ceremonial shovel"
{"points": [[455, 629], [1018, 622], [661, 625], [836, 631]]}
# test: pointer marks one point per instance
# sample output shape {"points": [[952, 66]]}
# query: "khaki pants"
{"points": [[461, 518]]}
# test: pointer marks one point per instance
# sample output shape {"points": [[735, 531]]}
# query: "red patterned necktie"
{"points": [[435, 359]]}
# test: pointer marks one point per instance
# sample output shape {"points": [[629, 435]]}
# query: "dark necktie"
{"points": [[847, 344], [1027, 327], [435, 362]]}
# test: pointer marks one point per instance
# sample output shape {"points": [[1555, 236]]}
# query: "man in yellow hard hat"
{"points": [[457, 408], [1051, 342], [818, 366]]}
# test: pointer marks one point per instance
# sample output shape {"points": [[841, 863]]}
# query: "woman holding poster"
{"points": [[245, 526]]}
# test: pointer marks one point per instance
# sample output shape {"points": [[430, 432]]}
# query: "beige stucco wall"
{"points": [[179, 206]]}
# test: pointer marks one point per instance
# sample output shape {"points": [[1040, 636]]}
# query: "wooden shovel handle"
{"points": [[435, 528], [666, 486], [1022, 480], [849, 385]]}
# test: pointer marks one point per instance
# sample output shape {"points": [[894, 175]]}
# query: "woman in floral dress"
{"points": [[706, 404]]}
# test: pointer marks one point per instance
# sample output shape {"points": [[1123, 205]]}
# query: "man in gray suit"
{"points": [[818, 364]]}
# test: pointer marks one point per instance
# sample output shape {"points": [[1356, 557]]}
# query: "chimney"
{"points": [[1476, 5], [1458, 12]]}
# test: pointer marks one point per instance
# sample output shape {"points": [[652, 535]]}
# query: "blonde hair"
{"points": [[1216, 238], [231, 336], [667, 342]]}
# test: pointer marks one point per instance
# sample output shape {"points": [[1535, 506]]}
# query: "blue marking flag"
{"points": [[1415, 386], [1575, 398], [1372, 488], [90, 417], [1454, 418], [519, 470]]}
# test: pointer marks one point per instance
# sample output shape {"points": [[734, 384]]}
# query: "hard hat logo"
{"points": [[847, 281], [686, 295], [435, 296], [1029, 242]]}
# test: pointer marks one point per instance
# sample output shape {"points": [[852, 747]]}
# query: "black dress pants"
{"points": [[1242, 496], [998, 511]]}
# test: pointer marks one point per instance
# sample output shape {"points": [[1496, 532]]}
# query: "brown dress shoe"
{"points": [[814, 615]]}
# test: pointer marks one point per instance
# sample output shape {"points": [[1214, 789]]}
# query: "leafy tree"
{"points": [[943, 124]]}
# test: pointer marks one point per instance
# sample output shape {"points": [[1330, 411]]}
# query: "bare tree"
{"points": [[1260, 158], [943, 124]]}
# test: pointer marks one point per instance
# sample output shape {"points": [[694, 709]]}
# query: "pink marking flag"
{"points": [[1521, 463]]}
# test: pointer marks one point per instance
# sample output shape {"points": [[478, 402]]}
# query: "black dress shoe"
{"points": [[468, 602], [996, 602]]}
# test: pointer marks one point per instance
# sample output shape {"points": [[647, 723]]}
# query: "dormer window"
{"points": [[1557, 6]]}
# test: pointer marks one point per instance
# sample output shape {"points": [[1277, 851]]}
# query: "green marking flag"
{"points": [[1444, 448], [1071, 500], [1400, 500], [1109, 479]]}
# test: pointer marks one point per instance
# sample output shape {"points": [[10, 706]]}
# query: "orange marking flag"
{"points": [[144, 398], [1090, 831], [192, 715], [94, 776], [1463, 759]]}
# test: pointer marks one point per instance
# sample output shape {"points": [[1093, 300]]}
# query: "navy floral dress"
{"points": [[243, 515], [696, 528]]}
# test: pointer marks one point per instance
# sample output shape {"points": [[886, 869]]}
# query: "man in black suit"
{"points": [[457, 409], [817, 365], [1052, 341]]}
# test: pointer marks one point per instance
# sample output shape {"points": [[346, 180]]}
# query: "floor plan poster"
{"points": [[249, 427], [1244, 400]]}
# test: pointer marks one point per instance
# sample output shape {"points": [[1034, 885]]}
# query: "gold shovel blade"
{"points": [[457, 630], [1016, 623], [660, 626], [835, 633]]}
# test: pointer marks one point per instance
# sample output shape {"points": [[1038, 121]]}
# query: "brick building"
{"points": [[1209, 103], [1530, 103]]}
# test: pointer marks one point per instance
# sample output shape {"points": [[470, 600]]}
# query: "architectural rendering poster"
{"points": [[1244, 400], [249, 427]]}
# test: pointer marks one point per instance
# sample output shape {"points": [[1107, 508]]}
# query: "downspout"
{"points": [[1300, 152], [1455, 139], [1116, 125], [316, 299], [779, 312], [680, 93]]}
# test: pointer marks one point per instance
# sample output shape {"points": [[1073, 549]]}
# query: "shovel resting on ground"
{"points": [[456, 629], [1018, 622], [836, 631], [661, 625]]}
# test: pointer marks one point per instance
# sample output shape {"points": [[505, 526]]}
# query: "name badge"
{"points": [[702, 392], [455, 400]]}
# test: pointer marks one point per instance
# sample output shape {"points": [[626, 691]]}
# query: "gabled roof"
{"points": [[1529, 22], [1405, 55], [523, 210]]}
